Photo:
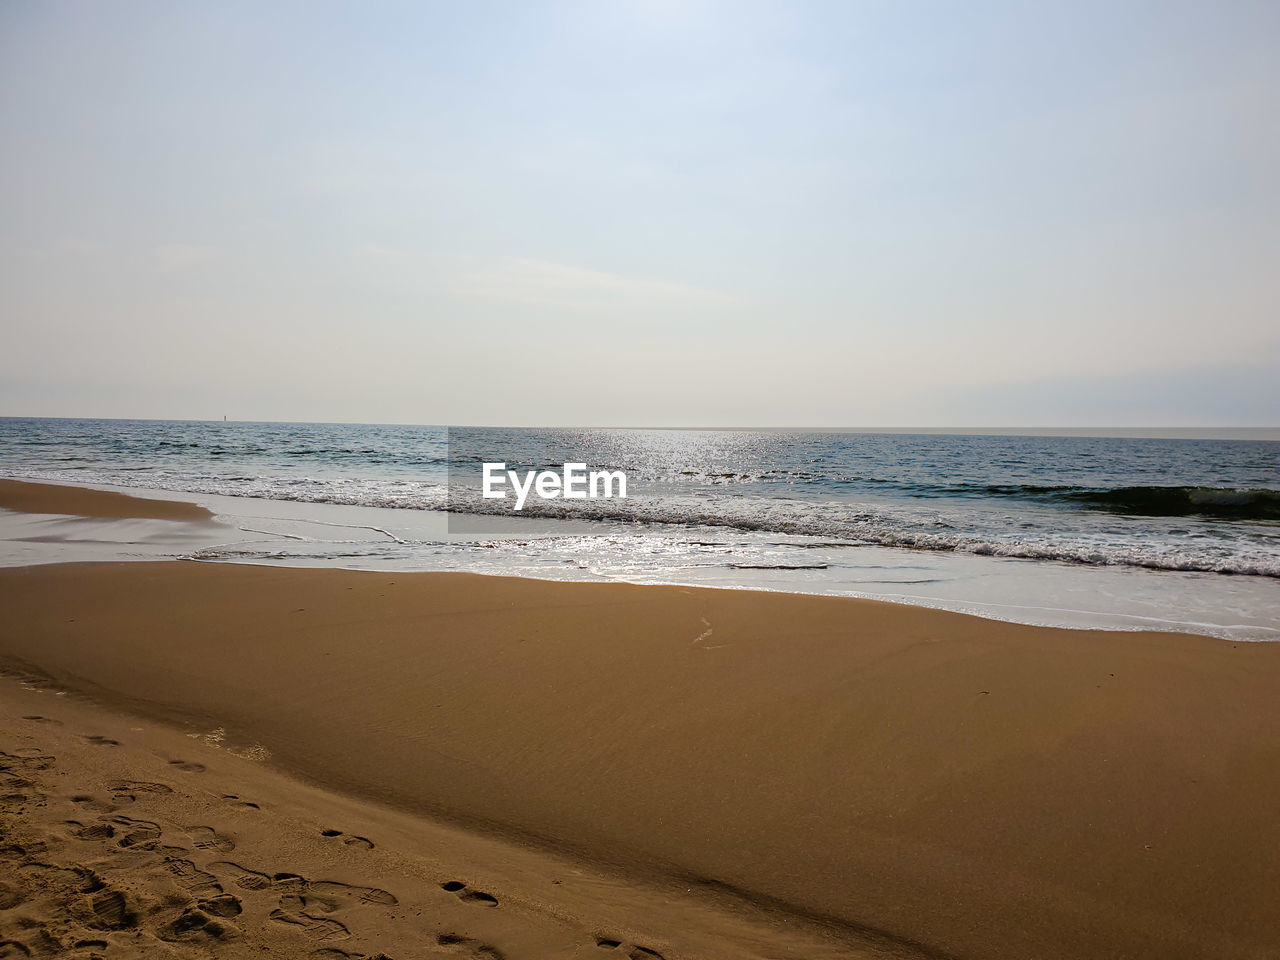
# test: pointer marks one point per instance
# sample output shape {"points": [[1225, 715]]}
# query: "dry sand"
{"points": [[730, 773], [130, 839]]}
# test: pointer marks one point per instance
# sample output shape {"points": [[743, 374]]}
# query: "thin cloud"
{"points": [[543, 283], [183, 256]]}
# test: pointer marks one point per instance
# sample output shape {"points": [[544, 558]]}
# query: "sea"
{"points": [[1118, 532]]}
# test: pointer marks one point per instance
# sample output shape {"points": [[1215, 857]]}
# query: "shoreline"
{"points": [[323, 536]]}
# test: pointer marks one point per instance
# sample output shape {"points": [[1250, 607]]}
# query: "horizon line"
{"points": [[1243, 432]]}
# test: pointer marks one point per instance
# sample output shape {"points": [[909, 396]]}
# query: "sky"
{"points": [[642, 213]]}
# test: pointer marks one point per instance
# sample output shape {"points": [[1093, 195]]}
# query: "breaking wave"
{"points": [[1255, 504], [1170, 538]]}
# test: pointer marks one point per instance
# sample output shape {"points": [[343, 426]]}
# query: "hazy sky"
{"points": [[657, 213]]}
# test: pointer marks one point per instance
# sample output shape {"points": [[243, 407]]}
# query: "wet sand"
{"points": [[84, 502], [785, 775]]}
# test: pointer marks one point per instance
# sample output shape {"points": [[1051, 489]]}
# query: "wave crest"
{"points": [[1229, 502]]}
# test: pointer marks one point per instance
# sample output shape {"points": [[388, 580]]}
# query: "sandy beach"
{"points": [[639, 481], [213, 759]]}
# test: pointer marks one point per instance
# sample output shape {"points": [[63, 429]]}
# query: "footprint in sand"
{"points": [[98, 741], [466, 893], [192, 879], [224, 905], [91, 831], [188, 765], [10, 897], [297, 891], [74, 878], [38, 719], [111, 911], [239, 802], [13, 781], [289, 882], [136, 834], [474, 947], [317, 928], [350, 839], [26, 759], [89, 803], [335, 893], [21, 793], [206, 838], [242, 877], [127, 791], [196, 925], [635, 953]]}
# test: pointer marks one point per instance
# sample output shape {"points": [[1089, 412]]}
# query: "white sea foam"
{"points": [[964, 528]]}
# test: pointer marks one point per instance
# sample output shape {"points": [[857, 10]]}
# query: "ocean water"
{"points": [[1112, 531]]}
